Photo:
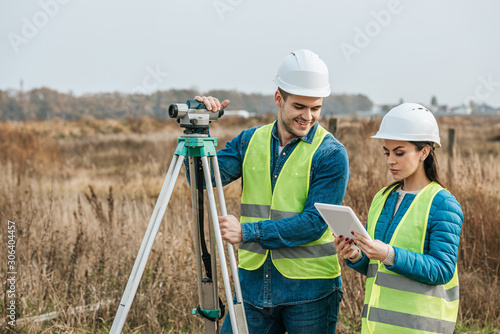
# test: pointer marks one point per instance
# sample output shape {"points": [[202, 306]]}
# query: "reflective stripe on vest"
{"points": [[315, 259], [397, 304], [264, 212]]}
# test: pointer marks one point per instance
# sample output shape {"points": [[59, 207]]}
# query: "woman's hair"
{"points": [[430, 164]]}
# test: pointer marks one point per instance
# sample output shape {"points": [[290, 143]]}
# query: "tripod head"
{"points": [[193, 115]]}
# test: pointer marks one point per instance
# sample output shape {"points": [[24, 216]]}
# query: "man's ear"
{"points": [[278, 99]]}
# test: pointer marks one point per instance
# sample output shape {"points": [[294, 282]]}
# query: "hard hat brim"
{"points": [[296, 90], [406, 137]]}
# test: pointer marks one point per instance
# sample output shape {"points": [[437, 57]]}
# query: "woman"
{"points": [[415, 224]]}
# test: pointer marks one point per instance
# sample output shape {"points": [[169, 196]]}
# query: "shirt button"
{"points": [[284, 153], [275, 176], [267, 275]]}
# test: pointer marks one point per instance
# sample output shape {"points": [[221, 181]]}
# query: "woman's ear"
{"points": [[424, 153]]}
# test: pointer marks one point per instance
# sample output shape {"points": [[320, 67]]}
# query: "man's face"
{"points": [[296, 116]]}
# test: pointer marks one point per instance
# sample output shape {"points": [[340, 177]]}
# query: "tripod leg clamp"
{"points": [[212, 315]]}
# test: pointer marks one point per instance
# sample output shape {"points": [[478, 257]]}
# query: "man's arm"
{"points": [[330, 173]]}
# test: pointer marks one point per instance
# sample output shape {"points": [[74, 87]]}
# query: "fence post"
{"points": [[332, 126], [451, 154]]}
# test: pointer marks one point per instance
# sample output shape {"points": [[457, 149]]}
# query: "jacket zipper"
{"points": [[389, 224]]}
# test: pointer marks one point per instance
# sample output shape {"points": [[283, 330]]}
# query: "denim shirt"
{"points": [[266, 286]]}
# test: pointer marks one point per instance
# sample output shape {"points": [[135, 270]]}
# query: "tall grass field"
{"points": [[80, 195]]}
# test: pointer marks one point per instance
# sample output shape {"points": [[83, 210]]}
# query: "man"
{"points": [[288, 267]]}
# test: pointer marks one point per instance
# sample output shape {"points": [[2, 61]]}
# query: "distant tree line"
{"points": [[45, 103]]}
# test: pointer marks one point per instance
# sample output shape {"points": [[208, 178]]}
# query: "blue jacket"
{"points": [[437, 265]]}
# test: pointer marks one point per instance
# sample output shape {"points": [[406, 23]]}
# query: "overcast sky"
{"points": [[387, 50]]}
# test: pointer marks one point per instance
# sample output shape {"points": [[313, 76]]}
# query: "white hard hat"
{"points": [[409, 122], [303, 73]]}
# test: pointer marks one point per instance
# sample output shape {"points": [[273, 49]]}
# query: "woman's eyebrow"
{"points": [[397, 148]]}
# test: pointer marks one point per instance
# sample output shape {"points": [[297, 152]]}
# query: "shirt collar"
{"points": [[307, 138]]}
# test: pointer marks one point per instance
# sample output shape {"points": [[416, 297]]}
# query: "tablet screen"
{"points": [[341, 220]]}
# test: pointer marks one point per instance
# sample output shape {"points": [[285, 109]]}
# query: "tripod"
{"points": [[198, 147]]}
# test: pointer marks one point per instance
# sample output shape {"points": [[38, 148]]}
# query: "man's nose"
{"points": [[307, 115]]}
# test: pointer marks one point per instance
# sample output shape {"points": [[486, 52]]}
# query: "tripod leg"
{"points": [[213, 250], [196, 230], [239, 306], [147, 244], [218, 239], [207, 288]]}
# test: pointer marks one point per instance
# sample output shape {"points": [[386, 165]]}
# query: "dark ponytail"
{"points": [[430, 163]]}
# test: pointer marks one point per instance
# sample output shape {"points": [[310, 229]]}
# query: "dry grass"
{"points": [[82, 192]]}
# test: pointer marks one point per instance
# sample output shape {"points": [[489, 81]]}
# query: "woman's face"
{"points": [[403, 158]]}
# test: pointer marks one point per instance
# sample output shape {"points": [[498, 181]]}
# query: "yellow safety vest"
{"points": [[397, 304], [316, 259]]}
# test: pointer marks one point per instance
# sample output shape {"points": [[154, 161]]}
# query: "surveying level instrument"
{"points": [[193, 116], [197, 146]]}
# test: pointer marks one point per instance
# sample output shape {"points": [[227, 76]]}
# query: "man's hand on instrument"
{"points": [[212, 103]]}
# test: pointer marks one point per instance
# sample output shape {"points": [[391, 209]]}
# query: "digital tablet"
{"points": [[342, 220]]}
